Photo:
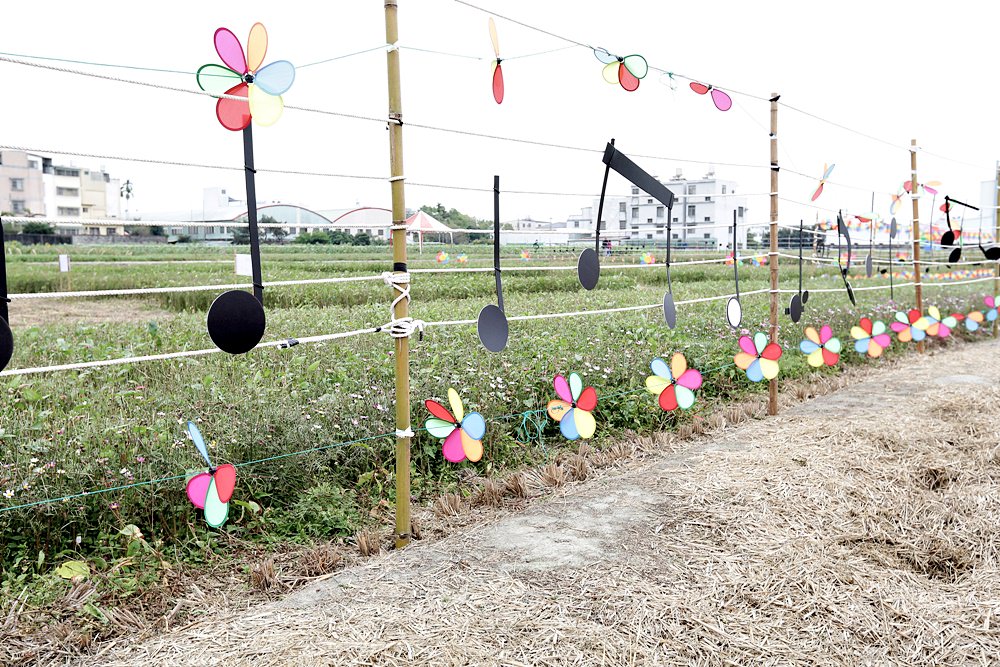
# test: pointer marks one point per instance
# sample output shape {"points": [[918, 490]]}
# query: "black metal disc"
{"points": [[869, 266], [955, 255], [850, 295], [948, 238], [588, 268], [669, 310], [795, 308], [6, 344], [236, 321], [893, 228], [492, 327], [734, 312], [805, 297]]}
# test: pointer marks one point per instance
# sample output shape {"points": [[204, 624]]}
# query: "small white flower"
{"points": [[9, 493]]}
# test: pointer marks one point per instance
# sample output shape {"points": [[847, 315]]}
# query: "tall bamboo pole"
{"points": [[915, 198], [401, 309], [772, 386], [996, 239]]}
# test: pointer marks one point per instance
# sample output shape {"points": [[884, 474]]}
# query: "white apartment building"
{"points": [[702, 212]]}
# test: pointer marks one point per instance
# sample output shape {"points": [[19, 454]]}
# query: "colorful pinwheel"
{"points": [[462, 258], [573, 407], [441, 257], [896, 199], [647, 258], [722, 101], [974, 320], [870, 337], [910, 326], [461, 434], [937, 325], [674, 384], [928, 187], [759, 358], [210, 491], [821, 347], [497, 70], [992, 302], [525, 255], [625, 71], [244, 77], [822, 182]]}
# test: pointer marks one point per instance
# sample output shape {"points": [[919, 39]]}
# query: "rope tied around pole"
{"points": [[402, 327]]}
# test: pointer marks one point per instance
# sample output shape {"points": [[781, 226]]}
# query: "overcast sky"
{"points": [[890, 69]]}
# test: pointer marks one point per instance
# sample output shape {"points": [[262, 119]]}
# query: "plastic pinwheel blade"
{"points": [[256, 46], [234, 114], [472, 448], [275, 78], [699, 88], [604, 56], [452, 447], [626, 79], [498, 84], [217, 79], [588, 399], [228, 46], [575, 385], [586, 425], [660, 367], [819, 191], [568, 426], [438, 410], [197, 488], [610, 72], [225, 481], [636, 66], [562, 388], [493, 37], [455, 401], [439, 428], [199, 442], [265, 109], [668, 398], [474, 425], [722, 100], [216, 511], [558, 409]]}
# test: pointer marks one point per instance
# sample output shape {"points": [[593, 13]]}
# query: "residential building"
{"points": [[701, 215], [21, 189]]}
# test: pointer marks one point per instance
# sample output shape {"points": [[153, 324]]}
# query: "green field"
{"points": [[311, 421]]}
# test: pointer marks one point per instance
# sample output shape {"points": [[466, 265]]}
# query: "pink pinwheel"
{"points": [[244, 77], [910, 326], [870, 337], [937, 325], [821, 347], [675, 385]]}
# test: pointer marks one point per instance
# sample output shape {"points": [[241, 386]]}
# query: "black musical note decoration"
{"points": [[492, 325], [842, 231], [588, 267], [869, 264], [236, 318], [795, 307], [893, 230], [948, 238], [734, 309], [6, 337], [669, 308]]}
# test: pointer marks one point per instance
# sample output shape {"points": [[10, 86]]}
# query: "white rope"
{"points": [[192, 288], [401, 327], [405, 433]]}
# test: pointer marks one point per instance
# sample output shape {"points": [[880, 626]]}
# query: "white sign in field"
{"points": [[63, 263], [243, 265]]}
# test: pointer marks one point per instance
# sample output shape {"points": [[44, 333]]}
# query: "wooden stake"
{"points": [[772, 386], [402, 308], [915, 198], [996, 239]]}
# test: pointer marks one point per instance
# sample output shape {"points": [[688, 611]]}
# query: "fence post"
{"points": [[915, 198], [400, 279], [772, 386], [996, 239]]}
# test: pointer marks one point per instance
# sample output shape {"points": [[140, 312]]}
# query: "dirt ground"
{"points": [[856, 528], [36, 312]]}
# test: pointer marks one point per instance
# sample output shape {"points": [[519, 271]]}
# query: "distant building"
{"points": [[34, 185], [702, 212]]}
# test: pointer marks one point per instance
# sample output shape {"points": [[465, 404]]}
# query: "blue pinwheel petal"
{"points": [[918, 334], [808, 347], [474, 425], [754, 373], [275, 78], [861, 345], [568, 426], [199, 442], [660, 367]]}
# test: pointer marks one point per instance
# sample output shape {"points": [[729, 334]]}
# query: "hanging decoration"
{"points": [[236, 319], [910, 326], [842, 231], [799, 300], [210, 491], [827, 170], [674, 384], [821, 348], [734, 308], [573, 407], [625, 71], [758, 357], [492, 323], [870, 337], [6, 337], [720, 98], [497, 69], [461, 434]]}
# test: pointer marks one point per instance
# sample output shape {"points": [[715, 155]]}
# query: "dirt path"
{"points": [[858, 528]]}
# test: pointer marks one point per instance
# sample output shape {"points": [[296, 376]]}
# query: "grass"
{"points": [[66, 433]]}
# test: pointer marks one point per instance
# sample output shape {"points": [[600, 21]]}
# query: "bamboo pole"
{"points": [[915, 198], [996, 239], [772, 385], [401, 309]]}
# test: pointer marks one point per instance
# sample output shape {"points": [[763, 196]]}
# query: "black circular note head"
{"points": [[954, 255], [492, 327], [734, 312], [236, 321], [805, 297], [869, 266], [893, 228], [948, 238], [669, 310], [588, 268], [993, 252], [850, 295], [795, 308], [6, 344]]}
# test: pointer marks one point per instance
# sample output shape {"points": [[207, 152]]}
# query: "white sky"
{"points": [[891, 69]]}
